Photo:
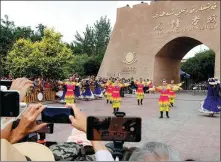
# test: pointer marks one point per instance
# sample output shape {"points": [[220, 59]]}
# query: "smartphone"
{"points": [[56, 115], [6, 83], [9, 103], [107, 128], [49, 128]]}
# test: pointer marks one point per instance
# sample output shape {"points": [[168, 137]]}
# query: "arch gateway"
{"points": [[149, 41]]}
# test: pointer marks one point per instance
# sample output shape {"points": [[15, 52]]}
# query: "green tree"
{"points": [[10, 33], [78, 66], [91, 66], [102, 30], [201, 66], [86, 44], [94, 40], [49, 58]]}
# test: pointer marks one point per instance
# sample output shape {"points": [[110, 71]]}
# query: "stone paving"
{"points": [[192, 134]]}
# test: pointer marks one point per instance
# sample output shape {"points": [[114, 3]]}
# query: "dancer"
{"points": [[70, 86], [172, 93], [210, 105], [88, 95], [116, 99], [97, 90], [108, 92], [140, 91], [77, 91], [218, 93], [164, 98]]}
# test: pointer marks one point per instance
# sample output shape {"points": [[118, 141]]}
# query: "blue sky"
{"points": [[68, 16]]}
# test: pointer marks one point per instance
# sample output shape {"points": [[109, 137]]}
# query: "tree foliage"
{"points": [[49, 58], [92, 42], [200, 67], [10, 33], [91, 66], [36, 52]]}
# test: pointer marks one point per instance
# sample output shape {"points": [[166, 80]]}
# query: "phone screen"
{"points": [[126, 129], [10, 104], [6, 83], [56, 115]]}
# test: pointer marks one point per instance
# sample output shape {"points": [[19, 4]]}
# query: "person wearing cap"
{"points": [[164, 98]]}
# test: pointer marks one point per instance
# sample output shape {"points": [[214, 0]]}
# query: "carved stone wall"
{"points": [[149, 41]]}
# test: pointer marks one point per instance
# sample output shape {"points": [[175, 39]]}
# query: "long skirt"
{"points": [[77, 92], [98, 92], [210, 104], [116, 102], [140, 95], [164, 103], [69, 97]]}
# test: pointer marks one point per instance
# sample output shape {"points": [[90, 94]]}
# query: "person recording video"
{"points": [[28, 124], [14, 151]]}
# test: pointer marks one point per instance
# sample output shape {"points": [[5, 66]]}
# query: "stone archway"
{"points": [[167, 60], [153, 33]]}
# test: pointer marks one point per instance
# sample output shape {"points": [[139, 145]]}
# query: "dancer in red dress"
{"points": [[172, 93], [115, 97], [164, 100], [140, 91], [108, 92], [70, 85]]}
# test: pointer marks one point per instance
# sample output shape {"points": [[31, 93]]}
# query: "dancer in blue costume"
{"points": [[210, 105], [218, 94], [97, 90], [77, 92], [88, 95]]}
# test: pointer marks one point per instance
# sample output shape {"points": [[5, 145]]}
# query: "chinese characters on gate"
{"points": [[195, 23]]}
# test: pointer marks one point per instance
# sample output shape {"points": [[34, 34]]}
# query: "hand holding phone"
{"points": [[9, 106], [79, 120]]}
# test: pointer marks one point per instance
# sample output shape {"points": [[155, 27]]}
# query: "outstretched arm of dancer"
{"points": [[180, 84]]}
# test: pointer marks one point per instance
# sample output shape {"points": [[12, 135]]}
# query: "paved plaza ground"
{"points": [[192, 134]]}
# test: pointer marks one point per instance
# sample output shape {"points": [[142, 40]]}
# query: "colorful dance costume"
{"points": [[210, 105], [172, 92], [77, 91], [164, 100], [115, 97], [140, 92], [108, 92], [69, 96], [88, 95], [97, 91]]}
